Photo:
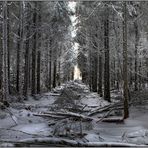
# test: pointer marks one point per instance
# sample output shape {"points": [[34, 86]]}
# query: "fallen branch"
{"points": [[113, 119], [54, 94], [66, 142], [77, 109], [106, 108], [66, 114], [48, 115], [105, 115]]}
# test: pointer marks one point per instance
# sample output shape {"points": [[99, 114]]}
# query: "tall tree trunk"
{"points": [[100, 62], [84, 77], [118, 79], [29, 71], [54, 73], [125, 80], [114, 73], [95, 73], [39, 39], [100, 76], [140, 77], [106, 65], [95, 64], [26, 69], [27, 63], [50, 74], [1, 73], [72, 74], [90, 70], [33, 89], [18, 63], [136, 54], [131, 75], [1, 61], [5, 91], [8, 48], [19, 46], [38, 71], [59, 70]]}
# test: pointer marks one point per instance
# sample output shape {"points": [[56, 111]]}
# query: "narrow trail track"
{"points": [[133, 130]]}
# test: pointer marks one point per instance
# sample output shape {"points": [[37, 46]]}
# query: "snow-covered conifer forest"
{"points": [[73, 73]]}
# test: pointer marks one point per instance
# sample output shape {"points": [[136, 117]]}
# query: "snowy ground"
{"points": [[133, 130]]}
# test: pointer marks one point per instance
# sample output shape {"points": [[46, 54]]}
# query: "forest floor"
{"points": [[24, 121]]}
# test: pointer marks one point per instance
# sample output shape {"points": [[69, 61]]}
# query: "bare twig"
{"points": [[105, 115]]}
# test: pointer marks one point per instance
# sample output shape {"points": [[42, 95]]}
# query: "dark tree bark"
{"points": [[95, 65], [29, 71], [114, 73], [58, 77], [26, 69], [90, 70], [94, 73], [100, 76], [27, 63], [8, 48], [1, 61], [1, 70], [39, 39], [72, 74], [140, 77], [130, 73], [33, 89], [38, 71], [54, 73], [136, 54], [50, 74], [84, 77], [106, 64], [19, 46], [100, 61], [18, 64], [5, 90], [125, 80]]}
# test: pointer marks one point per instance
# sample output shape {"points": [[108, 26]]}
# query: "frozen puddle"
{"points": [[39, 129]]}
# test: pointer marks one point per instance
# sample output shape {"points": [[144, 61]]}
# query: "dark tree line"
{"points": [[111, 47], [34, 37]]}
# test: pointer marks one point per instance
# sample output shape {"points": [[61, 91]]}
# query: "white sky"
{"points": [[72, 6], [73, 18]]}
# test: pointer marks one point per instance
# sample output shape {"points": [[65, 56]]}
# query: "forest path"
{"points": [[133, 130]]}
